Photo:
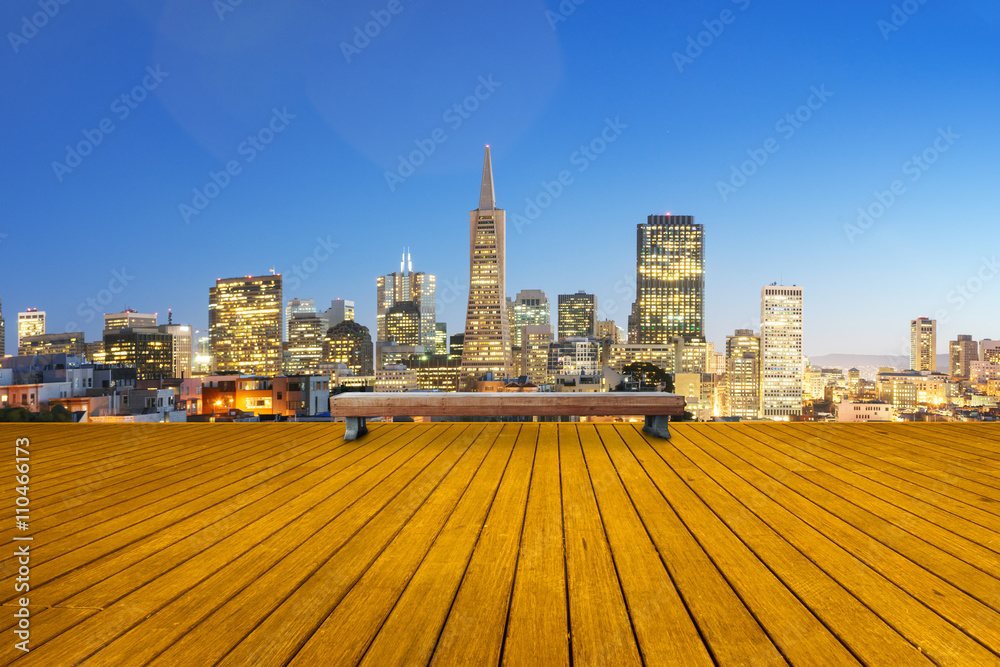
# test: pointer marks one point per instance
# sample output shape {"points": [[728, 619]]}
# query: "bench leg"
{"points": [[658, 426], [355, 428]]}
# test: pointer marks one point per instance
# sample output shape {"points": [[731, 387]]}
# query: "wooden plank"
{"points": [[878, 579], [892, 483], [414, 625], [482, 603], [782, 588], [229, 565], [599, 620], [884, 521], [663, 627], [46, 623], [241, 502], [350, 619], [733, 635], [358, 404], [538, 625]]}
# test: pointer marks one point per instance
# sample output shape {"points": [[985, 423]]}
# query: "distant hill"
{"points": [[869, 364]]}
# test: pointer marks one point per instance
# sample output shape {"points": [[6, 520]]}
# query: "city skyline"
{"points": [[812, 142]]}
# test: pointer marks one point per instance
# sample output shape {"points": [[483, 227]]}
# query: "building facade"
{"points": [[410, 292], [961, 354], [923, 344], [296, 306], [670, 280], [531, 307], [306, 333], [30, 323], [577, 315], [183, 353], [782, 363], [244, 319], [339, 310], [350, 343], [63, 343], [129, 319], [743, 374], [486, 346]]}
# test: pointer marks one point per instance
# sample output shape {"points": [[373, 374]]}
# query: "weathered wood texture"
{"points": [[509, 544]]}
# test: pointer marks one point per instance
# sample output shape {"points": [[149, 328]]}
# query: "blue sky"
{"points": [[310, 115]]}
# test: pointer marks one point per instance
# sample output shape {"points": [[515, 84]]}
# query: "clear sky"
{"points": [[650, 108]]}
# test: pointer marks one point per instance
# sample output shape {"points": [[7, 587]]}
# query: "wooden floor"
{"points": [[515, 544]]}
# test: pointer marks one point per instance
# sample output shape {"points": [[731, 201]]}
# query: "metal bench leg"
{"points": [[658, 426], [355, 428]]}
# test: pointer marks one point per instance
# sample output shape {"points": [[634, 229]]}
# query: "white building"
{"points": [[876, 411], [30, 323], [782, 363], [923, 344]]}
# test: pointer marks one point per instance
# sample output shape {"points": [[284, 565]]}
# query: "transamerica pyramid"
{"points": [[487, 332]]}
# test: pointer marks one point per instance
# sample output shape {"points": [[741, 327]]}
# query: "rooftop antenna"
{"points": [[409, 262]]}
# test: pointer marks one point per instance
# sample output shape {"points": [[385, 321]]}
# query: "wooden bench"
{"points": [[356, 407]]}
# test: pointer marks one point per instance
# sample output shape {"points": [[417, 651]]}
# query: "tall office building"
{"points": [[306, 333], [339, 311], [30, 323], [350, 343], [244, 320], [296, 306], [961, 354], [129, 319], [441, 338], [531, 307], [146, 348], [535, 344], [743, 374], [577, 315], [923, 344], [486, 347], [989, 350], [781, 367], [670, 280], [71, 342], [397, 289]]}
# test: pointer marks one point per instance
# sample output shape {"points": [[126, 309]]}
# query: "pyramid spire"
{"points": [[487, 200]]}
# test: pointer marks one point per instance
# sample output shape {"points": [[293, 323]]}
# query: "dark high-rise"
{"points": [[670, 280]]}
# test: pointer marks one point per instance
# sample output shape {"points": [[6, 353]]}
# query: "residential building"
{"points": [[577, 315], [670, 280], [923, 344], [487, 347], [863, 411], [244, 318], [782, 363]]}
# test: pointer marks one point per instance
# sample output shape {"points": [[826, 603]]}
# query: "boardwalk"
{"points": [[514, 544]]}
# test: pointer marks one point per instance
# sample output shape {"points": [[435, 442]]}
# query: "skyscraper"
{"points": [[962, 353], [670, 280], [487, 332], [129, 319], [781, 367], [350, 343], [296, 306], [577, 315], [306, 333], [244, 321], [183, 355], [531, 308], [923, 344], [405, 286], [441, 338], [339, 311], [30, 323], [743, 374]]}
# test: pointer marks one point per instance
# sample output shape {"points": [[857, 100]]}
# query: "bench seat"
{"points": [[356, 407]]}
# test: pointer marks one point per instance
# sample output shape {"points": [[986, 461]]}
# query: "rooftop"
{"points": [[473, 543]]}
